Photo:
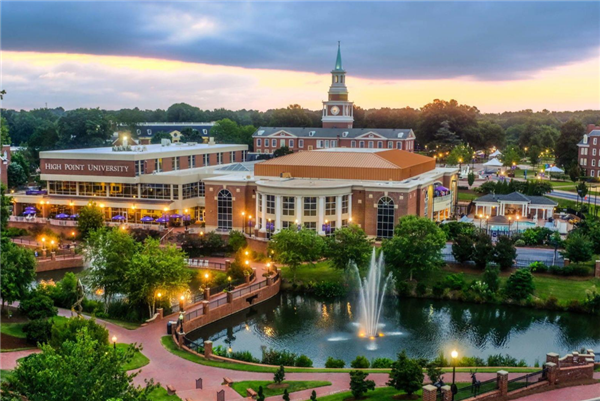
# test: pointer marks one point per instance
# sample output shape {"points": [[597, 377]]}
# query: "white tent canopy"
{"points": [[496, 154], [555, 169], [493, 163]]}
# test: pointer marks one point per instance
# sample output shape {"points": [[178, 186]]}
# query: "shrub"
{"points": [[237, 240], [333, 363], [421, 289], [454, 229], [538, 267], [403, 288], [406, 374], [279, 375], [382, 363], [506, 360], [245, 356], [480, 289], [483, 250], [491, 277], [38, 306], [329, 289], [359, 384], [68, 331], [592, 302], [14, 232], [551, 302], [520, 242], [470, 361], [504, 252], [434, 372], [578, 247], [303, 362], [519, 285], [454, 281], [360, 362], [438, 289], [463, 248], [274, 357], [37, 331]]}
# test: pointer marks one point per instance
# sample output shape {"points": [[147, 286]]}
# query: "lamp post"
{"points": [[517, 217], [250, 224], [509, 224], [460, 160], [43, 243], [487, 224], [327, 227], [244, 221], [268, 268], [480, 220], [114, 341], [181, 303], [454, 355]]}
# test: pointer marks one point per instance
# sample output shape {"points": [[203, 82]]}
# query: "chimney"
{"points": [[211, 140]]}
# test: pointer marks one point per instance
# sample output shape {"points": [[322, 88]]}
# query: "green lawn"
{"points": [[160, 394], [139, 360], [563, 288], [293, 386], [121, 323], [320, 271], [379, 394], [467, 196], [13, 329]]}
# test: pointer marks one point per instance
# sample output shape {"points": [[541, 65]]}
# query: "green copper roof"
{"points": [[338, 61]]}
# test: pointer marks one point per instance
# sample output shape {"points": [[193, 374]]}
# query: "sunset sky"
{"points": [[497, 56]]}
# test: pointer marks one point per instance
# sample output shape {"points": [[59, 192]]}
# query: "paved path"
{"points": [[579, 393]]}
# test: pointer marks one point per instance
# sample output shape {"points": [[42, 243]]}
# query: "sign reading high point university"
{"points": [[94, 167]]}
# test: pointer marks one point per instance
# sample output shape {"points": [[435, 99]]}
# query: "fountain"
{"points": [[371, 293]]}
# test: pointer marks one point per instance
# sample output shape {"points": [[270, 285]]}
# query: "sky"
{"points": [[498, 56]]}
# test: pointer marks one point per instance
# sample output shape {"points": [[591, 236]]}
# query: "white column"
{"points": [[349, 206], [278, 213], [338, 211], [256, 218], [321, 214], [299, 209], [263, 215]]}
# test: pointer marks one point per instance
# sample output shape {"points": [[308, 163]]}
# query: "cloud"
{"points": [[498, 41]]}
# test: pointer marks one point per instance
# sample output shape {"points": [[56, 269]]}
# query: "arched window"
{"points": [[385, 217], [224, 211]]}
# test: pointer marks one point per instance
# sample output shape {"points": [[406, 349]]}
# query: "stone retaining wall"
{"points": [[44, 265]]}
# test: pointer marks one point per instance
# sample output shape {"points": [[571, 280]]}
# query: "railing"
{"points": [[24, 219], [205, 263], [526, 380], [24, 241], [215, 303], [195, 313], [476, 390], [519, 262], [64, 223], [166, 235], [60, 257]]}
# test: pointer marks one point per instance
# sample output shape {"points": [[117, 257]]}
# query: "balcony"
{"points": [[442, 202]]}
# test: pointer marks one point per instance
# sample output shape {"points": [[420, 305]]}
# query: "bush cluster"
{"points": [[285, 358]]}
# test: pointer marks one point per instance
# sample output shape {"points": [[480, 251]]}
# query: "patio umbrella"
{"points": [[162, 220], [146, 219], [493, 163], [555, 169], [62, 216], [176, 216], [27, 212], [30, 208], [186, 217], [496, 154], [441, 188], [118, 217], [74, 216]]}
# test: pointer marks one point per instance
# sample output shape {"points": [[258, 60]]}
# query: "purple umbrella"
{"points": [[27, 212], [162, 220], [118, 217], [74, 216], [441, 188], [30, 208], [176, 216], [62, 216], [146, 219], [186, 217]]}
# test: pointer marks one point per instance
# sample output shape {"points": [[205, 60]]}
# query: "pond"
{"points": [[56, 275], [320, 329]]}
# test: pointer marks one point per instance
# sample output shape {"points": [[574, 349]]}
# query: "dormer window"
{"points": [[261, 132], [585, 137], [311, 133], [345, 134]]}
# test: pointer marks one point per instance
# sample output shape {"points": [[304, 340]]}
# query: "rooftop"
{"points": [[383, 133], [516, 197]]}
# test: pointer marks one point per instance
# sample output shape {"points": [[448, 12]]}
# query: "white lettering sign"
{"points": [[82, 167]]}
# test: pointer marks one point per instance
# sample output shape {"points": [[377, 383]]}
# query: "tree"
{"points": [[444, 137], [313, 396], [415, 247], [5, 202], [534, 155], [582, 190], [155, 268], [91, 217], [504, 252], [109, 254], [292, 247], [578, 247], [463, 248], [68, 331], [17, 272], [491, 277], [37, 305], [227, 131], [511, 155], [282, 151], [159, 136], [519, 285], [483, 250], [16, 175], [406, 374], [492, 134], [471, 178], [191, 135], [359, 384], [566, 149], [4, 136], [575, 172], [83, 128], [260, 396], [237, 240], [348, 244], [183, 112], [292, 116], [460, 154], [286, 395], [72, 371], [279, 375], [462, 119], [434, 372]]}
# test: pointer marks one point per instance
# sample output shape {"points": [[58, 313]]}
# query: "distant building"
{"points": [[337, 131], [589, 153], [145, 131], [515, 204], [591, 127]]}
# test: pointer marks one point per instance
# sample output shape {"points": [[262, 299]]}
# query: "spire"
{"points": [[338, 61]]}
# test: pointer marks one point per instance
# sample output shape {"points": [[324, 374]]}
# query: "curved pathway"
{"points": [[167, 368]]}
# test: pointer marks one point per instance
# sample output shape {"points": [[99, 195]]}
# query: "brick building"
{"points": [[589, 153], [337, 131]]}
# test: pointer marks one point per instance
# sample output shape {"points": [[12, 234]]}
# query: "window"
{"points": [[390, 145], [287, 224], [319, 144], [63, 188], [399, 145], [311, 133], [156, 191], [259, 142], [123, 190], [288, 205], [344, 134], [224, 211], [361, 144], [206, 160], [591, 173], [310, 206], [333, 143], [593, 162], [595, 141], [353, 144], [258, 151], [330, 205], [291, 143], [345, 200], [273, 143], [149, 131], [158, 165], [92, 189], [219, 158], [138, 131], [326, 143], [176, 163], [594, 152], [232, 157], [385, 218], [371, 144], [193, 190], [192, 161], [271, 204], [139, 167], [380, 144], [300, 143], [310, 225], [243, 155]]}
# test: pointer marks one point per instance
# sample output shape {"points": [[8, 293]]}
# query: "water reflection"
{"points": [[422, 327]]}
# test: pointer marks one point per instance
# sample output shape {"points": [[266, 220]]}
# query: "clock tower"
{"points": [[337, 110]]}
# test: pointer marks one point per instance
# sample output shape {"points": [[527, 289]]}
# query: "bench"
{"points": [[251, 393], [227, 381], [171, 390]]}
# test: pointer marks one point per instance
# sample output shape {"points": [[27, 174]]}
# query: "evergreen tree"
{"points": [[504, 252], [313, 396], [406, 374], [279, 376], [484, 250], [260, 395], [359, 384], [286, 395]]}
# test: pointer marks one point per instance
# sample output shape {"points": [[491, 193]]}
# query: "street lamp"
{"points": [[480, 220], [229, 280], [460, 160], [114, 340], [43, 243], [244, 221], [487, 223], [453, 388], [250, 224], [517, 217], [268, 268], [181, 303]]}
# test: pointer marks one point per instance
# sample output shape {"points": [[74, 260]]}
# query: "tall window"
{"points": [[330, 205], [353, 144], [379, 144], [291, 143], [176, 163], [361, 144], [390, 145], [385, 218], [399, 145], [192, 161], [260, 202], [345, 200], [300, 143], [271, 204], [231, 157], [310, 206], [219, 158], [288, 205], [206, 158], [259, 142], [224, 210]]}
